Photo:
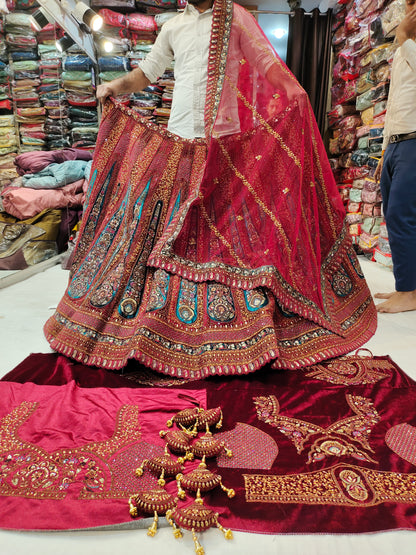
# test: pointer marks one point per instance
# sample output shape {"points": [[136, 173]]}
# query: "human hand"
{"points": [[104, 91], [407, 27], [379, 168]]}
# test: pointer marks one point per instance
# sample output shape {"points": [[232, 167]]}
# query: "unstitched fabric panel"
{"points": [[327, 449]]}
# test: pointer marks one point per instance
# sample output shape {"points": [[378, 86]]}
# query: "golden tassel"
{"points": [[199, 550], [132, 507], [228, 535], [177, 532], [153, 529]]}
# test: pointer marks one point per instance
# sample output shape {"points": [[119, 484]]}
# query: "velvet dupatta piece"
{"points": [[216, 255]]}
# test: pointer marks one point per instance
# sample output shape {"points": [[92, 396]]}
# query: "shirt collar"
{"points": [[191, 9]]}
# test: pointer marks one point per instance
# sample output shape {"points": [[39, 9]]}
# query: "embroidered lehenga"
{"points": [[221, 254]]}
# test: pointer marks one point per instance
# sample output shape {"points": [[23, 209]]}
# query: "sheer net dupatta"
{"points": [[267, 211]]}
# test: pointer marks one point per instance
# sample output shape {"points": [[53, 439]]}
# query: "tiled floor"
{"points": [[24, 307]]}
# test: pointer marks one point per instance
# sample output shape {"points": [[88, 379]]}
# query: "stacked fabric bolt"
{"points": [[382, 252], [155, 6], [29, 112], [77, 81], [5, 90], [41, 207], [51, 92], [112, 67], [8, 149], [20, 37], [363, 55], [167, 82], [5, 93]]}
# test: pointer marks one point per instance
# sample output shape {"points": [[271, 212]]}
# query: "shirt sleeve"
{"points": [[408, 50], [160, 56]]}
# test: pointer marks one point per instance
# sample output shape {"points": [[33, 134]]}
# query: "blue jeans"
{"points": [[398, 188]]}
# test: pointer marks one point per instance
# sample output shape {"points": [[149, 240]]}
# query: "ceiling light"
{"points": [[38, 19], [85, 14], [64, 43], [104, 44]]}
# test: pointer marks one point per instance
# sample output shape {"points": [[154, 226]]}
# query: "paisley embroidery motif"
{"points": [[159, 292], [187, 305], [129, 304], [220, 303], [341, 283], [107, 289], [81, 282]]}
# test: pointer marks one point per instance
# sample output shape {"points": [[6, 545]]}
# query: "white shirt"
{"points": [[401, 104], [184, 38]]}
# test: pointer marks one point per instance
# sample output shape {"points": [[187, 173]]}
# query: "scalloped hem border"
{"points": [[211, 370]]}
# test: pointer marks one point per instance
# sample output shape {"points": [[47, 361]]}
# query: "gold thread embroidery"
{"points": [[264, 123], [266, 210], [356, 428], [351, 371], [27, 470], [346, 485], [217, 232]]}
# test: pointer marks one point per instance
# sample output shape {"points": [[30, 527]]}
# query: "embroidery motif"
{"points": [[345, 485], [92, 220], [159, 291], [129, 305], [255, 299], [351, 370], [332, 440], [187, 304], [106, 290], [220, 304], [341, 283], [28, 470], [88, 270]]}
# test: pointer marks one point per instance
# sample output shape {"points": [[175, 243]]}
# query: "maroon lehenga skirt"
{"points": [[124, 302]]}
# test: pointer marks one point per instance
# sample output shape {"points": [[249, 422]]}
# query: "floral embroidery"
{"points": [[28, 470], [159, 292], [106, 290], [332, 440], [255, 299], [130, 302], [88, 270]]}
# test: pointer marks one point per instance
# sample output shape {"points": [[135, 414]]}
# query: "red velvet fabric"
{"points": [[349, 403]]}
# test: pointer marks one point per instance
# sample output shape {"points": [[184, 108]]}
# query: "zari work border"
{"points": [[217, 59], [345, 485]]}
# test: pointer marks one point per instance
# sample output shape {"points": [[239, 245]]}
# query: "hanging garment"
{"points": [[219, 254]]}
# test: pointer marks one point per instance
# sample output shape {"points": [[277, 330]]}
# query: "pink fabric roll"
{"points": [[24, 202]]}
